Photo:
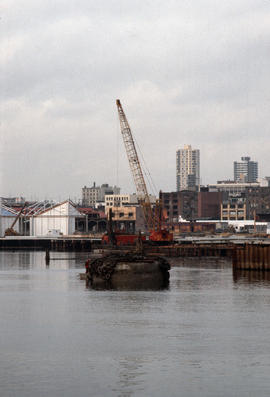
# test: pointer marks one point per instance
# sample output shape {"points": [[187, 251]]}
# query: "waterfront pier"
{"points": [[51, 244], [246, 254]]}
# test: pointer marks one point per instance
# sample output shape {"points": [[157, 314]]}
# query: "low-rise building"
{"points": [[92, 195], [128, 218], [190, 205], [231, 211], [59, 218], [265, 181], [258, 203], [95, 221], [180, 204], [116, 200], [231, 187], [123, 218], [194, 227]]}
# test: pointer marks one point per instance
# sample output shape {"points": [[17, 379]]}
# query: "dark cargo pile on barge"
{"points": [[127, 270]]}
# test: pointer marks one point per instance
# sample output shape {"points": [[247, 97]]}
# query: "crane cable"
{"points": [[146, 169]]}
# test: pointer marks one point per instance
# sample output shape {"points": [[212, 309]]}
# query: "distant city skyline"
{"points": [[244, 171]]}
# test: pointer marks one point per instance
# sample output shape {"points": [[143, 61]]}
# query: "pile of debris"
{"points": [[129, 266]]}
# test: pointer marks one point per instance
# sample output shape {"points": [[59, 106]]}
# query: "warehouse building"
{"points": [[59, 219]]}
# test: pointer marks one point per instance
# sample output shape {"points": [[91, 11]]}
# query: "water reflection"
{"points": [[251, 276], [131, 372], [210, 262], [14, 260], [130, 285], [26, 260]]}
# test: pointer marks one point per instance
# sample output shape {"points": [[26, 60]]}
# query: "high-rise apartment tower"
{"points": [[187, 168], [245, 170]]}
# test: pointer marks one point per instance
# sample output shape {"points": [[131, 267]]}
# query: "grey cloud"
{"points": [[187, 72]]}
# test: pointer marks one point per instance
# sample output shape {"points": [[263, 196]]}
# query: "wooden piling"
{"points": [[47, 257], [252, 257]]}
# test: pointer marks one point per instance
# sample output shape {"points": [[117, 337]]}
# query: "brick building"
{"points": [[258, 203], [209, 205], [180, 204]]}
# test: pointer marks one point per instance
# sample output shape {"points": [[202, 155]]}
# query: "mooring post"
{"points": [[260, 259], [267, 262], [47, 256]]}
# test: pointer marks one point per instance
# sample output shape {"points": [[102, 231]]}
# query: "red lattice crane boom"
{"points": [[153, 222]]}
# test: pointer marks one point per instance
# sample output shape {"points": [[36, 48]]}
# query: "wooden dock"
{"points": [[51, 244]]}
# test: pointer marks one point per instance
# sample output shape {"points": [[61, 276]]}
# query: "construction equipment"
{"points": [[117, 237], [152, 219], [10, 231]]}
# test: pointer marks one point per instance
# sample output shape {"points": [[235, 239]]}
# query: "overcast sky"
{"points": [[187, 72]]}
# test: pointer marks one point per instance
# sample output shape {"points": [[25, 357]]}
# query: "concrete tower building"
{"points": [[245, 170], [187, 168]]}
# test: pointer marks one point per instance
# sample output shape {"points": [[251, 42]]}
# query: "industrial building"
{"points": [[116, 200], [190, 205], [128, 218], [59, 219], [187, 168], [124, 218], [258, 203], [95, 221], [209, 204], [230, 211], [182, 204], [243, 201], [92, 195], [231, 187]]}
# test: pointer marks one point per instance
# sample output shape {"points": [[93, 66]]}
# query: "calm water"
{"points": [[207, 335]]}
